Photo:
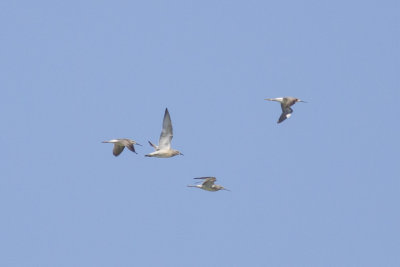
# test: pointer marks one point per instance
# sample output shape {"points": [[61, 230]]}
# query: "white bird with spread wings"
{"points": [[164, 150]]}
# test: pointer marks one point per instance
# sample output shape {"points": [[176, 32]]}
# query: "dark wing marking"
{"points": [[131, 148], [206, 177], [285, 114], [153, 145]]}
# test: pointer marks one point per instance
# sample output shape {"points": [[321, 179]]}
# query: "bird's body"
{"points": [[208, 184], [120, 144], [162, 153], [286, 103], [164, 150]]}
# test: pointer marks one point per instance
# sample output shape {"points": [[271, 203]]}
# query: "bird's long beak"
{"points": [[181, 154], [226, 189], [138, 144], [302, 101]]}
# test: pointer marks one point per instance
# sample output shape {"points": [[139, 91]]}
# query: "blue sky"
{"points": [[320, 189]]}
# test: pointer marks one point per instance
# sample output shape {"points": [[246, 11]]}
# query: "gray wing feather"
{"points": [[166, 133], [208, 181], [118, 149]]}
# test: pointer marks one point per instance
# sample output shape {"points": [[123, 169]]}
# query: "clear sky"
{"points": [[320, 189]]}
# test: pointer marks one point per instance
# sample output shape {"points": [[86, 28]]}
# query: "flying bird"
{"points": [[164, 150], [208, 184], [286, 103], [120, 144]]}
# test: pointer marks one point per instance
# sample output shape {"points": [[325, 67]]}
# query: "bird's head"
{"points": [[299, 100], [176, 152], [222, 188]]}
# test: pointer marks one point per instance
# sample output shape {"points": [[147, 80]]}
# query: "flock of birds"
{"points": [[164, 150]]}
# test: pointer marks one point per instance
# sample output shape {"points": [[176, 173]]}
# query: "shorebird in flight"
{"points": [[120, 144], [208, 184], [164, 150], [286, 103]]}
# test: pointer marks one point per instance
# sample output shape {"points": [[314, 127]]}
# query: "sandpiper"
{"points": [[120, 144], [164, 150], [208, 184], [286, 102]]}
